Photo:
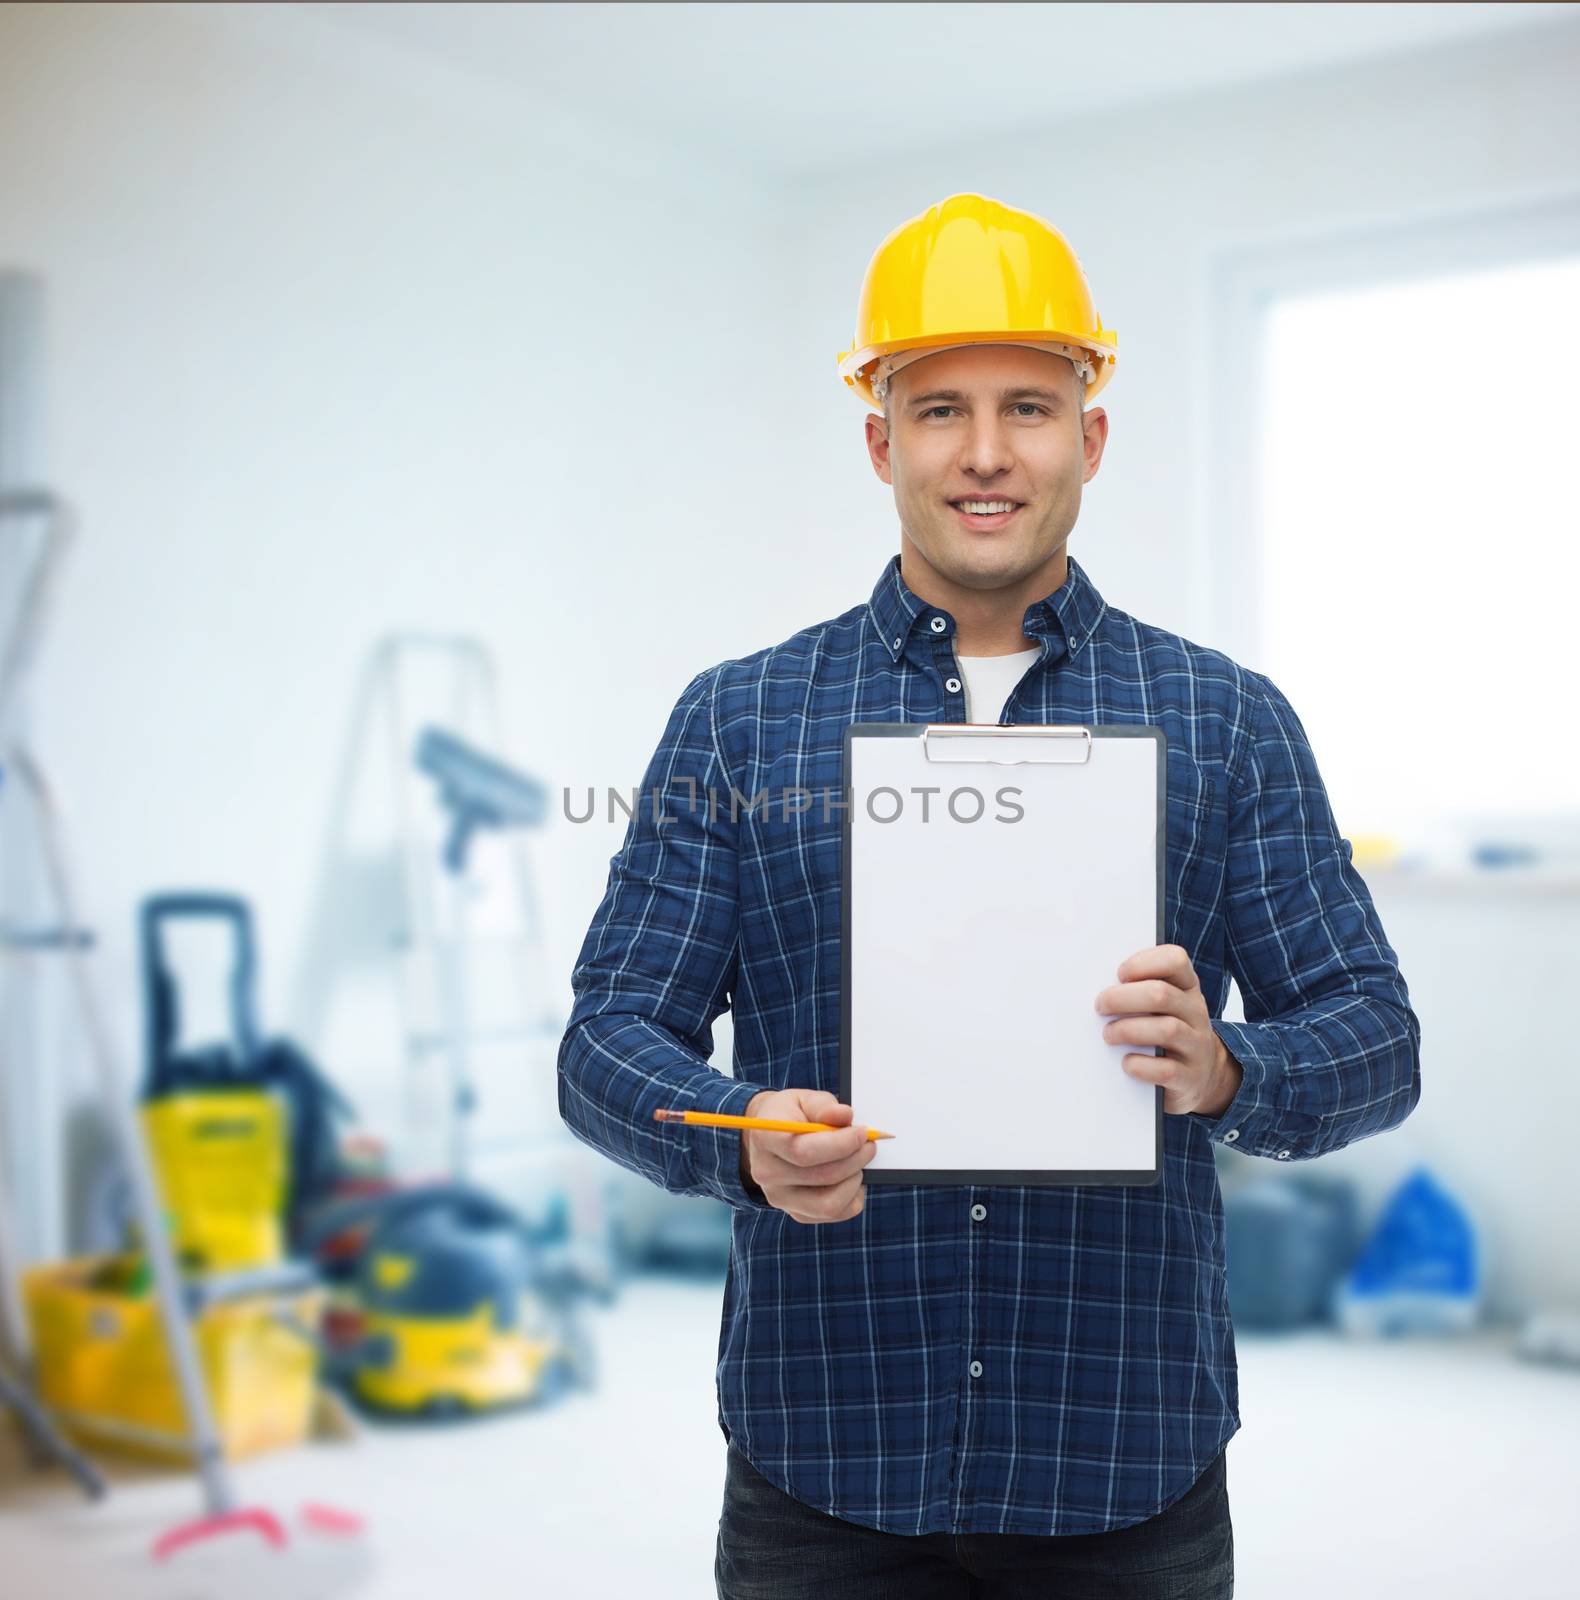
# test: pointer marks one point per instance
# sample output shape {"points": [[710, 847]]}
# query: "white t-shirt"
{"points": [[989, 681]]}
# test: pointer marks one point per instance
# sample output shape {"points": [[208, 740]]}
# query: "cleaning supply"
{"points": [[104, 1366], [971, 270], [1420, 1271], [460, 1311], [242, 1131], [220, 1154]]}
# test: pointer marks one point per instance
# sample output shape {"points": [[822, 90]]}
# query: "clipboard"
{"points": [[976, 940]]}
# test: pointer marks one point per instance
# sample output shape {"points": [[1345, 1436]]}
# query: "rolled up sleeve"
{"points": [[655, 971], [1330, 1048]]}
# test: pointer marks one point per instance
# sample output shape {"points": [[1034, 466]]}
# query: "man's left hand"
{"points": [[1158, 1001]]}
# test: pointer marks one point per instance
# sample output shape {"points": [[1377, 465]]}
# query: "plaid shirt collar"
{"points": [[1074, 609]]}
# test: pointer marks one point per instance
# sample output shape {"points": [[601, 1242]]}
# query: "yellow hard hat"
{"points": [[972, 271]]}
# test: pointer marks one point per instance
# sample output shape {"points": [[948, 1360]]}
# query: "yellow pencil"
{"points": [[718, 1119]]}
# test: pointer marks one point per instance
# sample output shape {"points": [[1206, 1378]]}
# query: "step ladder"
{"points": [[424, 978]]}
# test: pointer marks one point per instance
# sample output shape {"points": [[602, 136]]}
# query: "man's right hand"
{"points": [[814, 1177]]}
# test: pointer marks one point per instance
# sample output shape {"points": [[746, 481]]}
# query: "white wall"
{"points": [[1155, 199], [339, 345], [336, 347]]}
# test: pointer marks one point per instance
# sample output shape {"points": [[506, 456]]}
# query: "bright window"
{"points": [[1420, 540]]}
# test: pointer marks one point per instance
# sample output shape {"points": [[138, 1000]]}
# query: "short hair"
{"points": [[888, 421]]}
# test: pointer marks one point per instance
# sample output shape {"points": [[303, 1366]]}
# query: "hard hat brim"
{"points": [[852, 363]]}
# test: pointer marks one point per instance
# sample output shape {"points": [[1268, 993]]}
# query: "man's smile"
{"points": [[986, 513]]}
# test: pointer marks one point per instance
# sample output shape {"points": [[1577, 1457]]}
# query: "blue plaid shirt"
{"points": [[1099, 1316]]}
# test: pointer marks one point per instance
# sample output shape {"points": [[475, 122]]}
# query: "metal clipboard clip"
{"points": [[1048, 743]]}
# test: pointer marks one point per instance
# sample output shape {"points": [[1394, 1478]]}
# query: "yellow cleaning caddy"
{"points": [[103, 1364]]}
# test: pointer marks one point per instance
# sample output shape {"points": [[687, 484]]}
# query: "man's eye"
{"points": [[1023, 405]]}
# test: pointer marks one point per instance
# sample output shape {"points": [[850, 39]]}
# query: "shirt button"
{"points": [[952, 685], [1283, 1155], [896, 644], [978, 1213], [1231, 1136], [976, 1369], [939, 624]]}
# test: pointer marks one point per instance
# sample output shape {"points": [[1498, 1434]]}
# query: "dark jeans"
{"points": [[772, 1547]]}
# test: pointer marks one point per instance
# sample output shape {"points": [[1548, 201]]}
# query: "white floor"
{"points": [[1398, 1469]]}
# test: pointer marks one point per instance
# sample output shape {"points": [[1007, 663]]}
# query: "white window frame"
{"points": [[1243, 281]]}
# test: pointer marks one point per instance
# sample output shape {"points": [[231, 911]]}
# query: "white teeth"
{"points": [[985, 508]]}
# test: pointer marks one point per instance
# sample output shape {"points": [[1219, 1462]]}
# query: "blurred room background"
{"points": [[383, 385]]}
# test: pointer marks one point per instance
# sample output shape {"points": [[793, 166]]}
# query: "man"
{"points": [[974, 1390]]}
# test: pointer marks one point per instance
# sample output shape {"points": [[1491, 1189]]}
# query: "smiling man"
{"points": [[939, 1391]]}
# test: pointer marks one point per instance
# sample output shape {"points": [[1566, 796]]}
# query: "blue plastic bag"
{"points": [[1420, 1271]]}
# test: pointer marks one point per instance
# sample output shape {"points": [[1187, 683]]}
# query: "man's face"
{"points": [[987, 423]]}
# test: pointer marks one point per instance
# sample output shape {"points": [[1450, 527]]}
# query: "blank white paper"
{"points": [[977, 951]]}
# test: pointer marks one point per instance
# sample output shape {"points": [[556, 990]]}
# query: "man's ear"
{"points": [[878, 446], [1094, 436]]}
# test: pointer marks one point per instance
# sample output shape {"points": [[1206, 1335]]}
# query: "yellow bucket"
{"points": [[103, 1364]]}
